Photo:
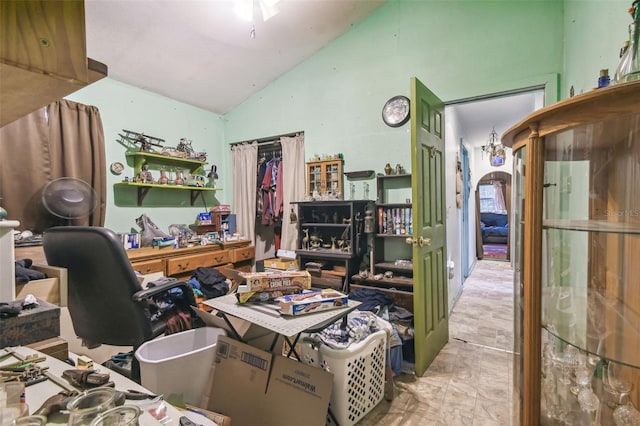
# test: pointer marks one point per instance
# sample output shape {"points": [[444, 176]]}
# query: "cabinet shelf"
{"points": [[595, 336], [143, 189], [405, 282], [592, 226], [393, 204], [325, 253], [391, 266], [324, 225]]}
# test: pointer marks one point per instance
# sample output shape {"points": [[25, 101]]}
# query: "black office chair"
{"points": [[106, 303]]}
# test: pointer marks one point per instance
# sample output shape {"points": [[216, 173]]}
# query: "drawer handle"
{"points": [[245, 255], [183, 267], [218, 259]]}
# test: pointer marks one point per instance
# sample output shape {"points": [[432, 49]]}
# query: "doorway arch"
{"points": [[494, 228]]}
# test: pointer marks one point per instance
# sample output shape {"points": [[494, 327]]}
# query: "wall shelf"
{"points": [[143, 189], [141, 157]]}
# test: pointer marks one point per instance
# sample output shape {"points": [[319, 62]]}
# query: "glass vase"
{"points": [[628, 68]]}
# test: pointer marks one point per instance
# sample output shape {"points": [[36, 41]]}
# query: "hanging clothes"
{"points": [[271, 203]]}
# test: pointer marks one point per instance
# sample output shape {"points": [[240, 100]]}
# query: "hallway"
{"points": [[470, 381]]}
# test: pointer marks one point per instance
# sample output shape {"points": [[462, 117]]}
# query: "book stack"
{"points": [[395, 221]]}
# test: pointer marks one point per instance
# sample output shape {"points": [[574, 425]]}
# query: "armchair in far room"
{"points": [[106, 302], [495, 228]]}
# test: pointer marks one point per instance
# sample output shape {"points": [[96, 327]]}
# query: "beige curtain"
{"points": [[244, 159], [294, 189], [65, 139], [501, 206]]}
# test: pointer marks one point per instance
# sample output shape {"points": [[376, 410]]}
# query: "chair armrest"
{"points": [[141, 295]]}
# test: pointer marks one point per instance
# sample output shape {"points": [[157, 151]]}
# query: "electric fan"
{"points": [[69, 198]]}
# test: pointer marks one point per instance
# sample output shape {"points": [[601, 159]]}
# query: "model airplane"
{"points": [[145, 141]]}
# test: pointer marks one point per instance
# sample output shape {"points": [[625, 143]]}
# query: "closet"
{"points": [[269, 201], [268, 176]]}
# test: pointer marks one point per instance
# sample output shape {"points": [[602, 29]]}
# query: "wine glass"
{"points": [[570, 360], [615, 383], [626, 415], [590, 403]]}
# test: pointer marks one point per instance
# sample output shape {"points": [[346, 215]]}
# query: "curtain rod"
{"points": [[268, 140]]}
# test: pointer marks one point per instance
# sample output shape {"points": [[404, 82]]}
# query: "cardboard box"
{"points": [[265, 286], [248, 332], [312, 301], [265, 281], [30, 325], [281, 264], [255, 387]]}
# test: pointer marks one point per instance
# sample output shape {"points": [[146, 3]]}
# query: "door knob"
{"points": [[424, 241], [421, 241]]}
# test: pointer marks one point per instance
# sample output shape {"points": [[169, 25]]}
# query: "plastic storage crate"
{"points": [[358, 375]]}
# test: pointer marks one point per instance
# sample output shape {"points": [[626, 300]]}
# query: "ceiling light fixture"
{"points": [[495, 149], [247, 11]]}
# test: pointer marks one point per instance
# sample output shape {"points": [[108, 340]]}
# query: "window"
{"points": [[487, 198]]}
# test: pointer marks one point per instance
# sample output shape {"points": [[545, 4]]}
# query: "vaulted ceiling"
{"points": [[201, 53]]}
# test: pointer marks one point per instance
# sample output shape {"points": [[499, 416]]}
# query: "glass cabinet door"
{"points": [[520, 158], [576, 258], [314, 173], [590, 274], [325, 178]]}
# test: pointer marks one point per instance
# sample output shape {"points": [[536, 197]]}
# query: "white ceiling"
{"points": [[199, 52], [477, 118]]}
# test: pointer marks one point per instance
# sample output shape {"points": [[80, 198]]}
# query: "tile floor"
{"points": [[470, 381]]}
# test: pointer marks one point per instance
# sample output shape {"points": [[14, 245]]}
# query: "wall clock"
{"points": [[396, 111], [117, 168]]}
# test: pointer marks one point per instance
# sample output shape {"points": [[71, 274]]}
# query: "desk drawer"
{"points": [[244, 253], [183, 264], [149, 266]]}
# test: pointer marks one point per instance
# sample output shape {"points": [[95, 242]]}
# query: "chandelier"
{"points": [[494, 148]]}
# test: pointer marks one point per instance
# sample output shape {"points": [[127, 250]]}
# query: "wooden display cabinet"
{"points": [[325, 178], [331, 241], [391, 253], [577, 238]]}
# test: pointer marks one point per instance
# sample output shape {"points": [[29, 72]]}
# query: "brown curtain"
{"points": [[65, 139]]}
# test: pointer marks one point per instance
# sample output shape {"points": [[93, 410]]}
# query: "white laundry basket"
{"points": [[358, 375], [177, 366]]}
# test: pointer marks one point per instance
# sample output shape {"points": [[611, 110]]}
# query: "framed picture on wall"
{"points": [[497, 158]]}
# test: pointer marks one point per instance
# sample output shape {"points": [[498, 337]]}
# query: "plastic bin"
{"points": [[177, 366], [358, 375]]}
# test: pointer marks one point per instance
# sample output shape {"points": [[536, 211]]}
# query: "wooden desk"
{"points": [[177, 263], [181, 262]]}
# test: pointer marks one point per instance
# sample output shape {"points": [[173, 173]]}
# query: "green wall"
{"points": [[594, 32], [127, 107], [459, 49]]}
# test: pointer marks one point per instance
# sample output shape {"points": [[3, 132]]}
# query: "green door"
{"points": [[430, 299]]}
